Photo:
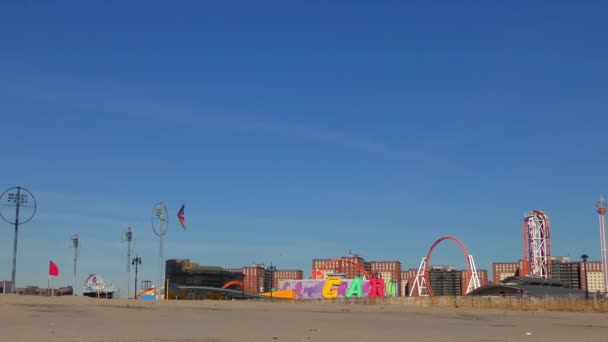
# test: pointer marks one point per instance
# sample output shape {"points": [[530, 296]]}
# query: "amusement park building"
{"points": [[186, 273]]}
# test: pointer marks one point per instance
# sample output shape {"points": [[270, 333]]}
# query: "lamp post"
{"points": [[129, 236], [160, 220], [601, 210], [75, 243], [136, 262], [585, 257], [271, 270], [17, 197]]}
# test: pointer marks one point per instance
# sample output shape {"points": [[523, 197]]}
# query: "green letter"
{"points": [[355, 288], [391, 288]]}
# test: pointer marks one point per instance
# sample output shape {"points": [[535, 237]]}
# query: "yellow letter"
{"points": [[328, 289]]}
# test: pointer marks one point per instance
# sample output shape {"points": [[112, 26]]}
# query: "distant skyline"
{"points": [[300, 131]]}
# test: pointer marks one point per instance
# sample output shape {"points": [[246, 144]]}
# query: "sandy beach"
{"points": [[27, 318]]}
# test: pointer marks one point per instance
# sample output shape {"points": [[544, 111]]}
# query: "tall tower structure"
{"points": [[537, 245], [601, 210]]}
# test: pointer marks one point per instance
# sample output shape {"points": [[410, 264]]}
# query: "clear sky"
{"points": [[300, 131]]}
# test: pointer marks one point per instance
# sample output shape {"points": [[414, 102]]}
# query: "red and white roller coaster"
{"points": [[537, 245], [422, 282]]}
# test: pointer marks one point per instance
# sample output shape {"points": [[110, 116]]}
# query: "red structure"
{"points": [[422, 283], [536, 245], [234, 283]]}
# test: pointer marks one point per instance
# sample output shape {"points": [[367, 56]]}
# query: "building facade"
{"points": [[565, 271], [594, 281], [502, 270], [6, 286], [445, 281], [351, 266], [254, 278]]}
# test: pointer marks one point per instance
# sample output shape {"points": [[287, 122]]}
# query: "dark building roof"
{"points": [[528, 286]]}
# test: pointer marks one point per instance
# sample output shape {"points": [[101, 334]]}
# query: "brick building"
{"points": [[287, 275], [259, 278], [351, 266], [6, 286], [254, 278], [595, 277], [502, 270]]}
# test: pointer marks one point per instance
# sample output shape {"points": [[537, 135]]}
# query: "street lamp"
{"points": [[271, 270], [129, 236], [136, 262], [18, 199], [75, 243], [585, 257]]}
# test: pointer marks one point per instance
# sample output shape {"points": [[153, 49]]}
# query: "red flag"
{"points": [[181, 218], [53, 269]]}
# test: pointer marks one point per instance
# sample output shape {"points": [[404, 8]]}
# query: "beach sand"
{"points": [[29, 318]]}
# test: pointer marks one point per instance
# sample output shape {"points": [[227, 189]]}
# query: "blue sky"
{"points": [[297, 131]]}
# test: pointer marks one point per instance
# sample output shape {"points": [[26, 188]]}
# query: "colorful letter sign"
{"points": [[335, 287]]}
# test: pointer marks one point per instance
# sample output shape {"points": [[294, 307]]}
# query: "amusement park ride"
{"points": [[422, 282], [535, 262], [537, 245]]}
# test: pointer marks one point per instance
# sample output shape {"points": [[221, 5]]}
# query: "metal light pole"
{"points": [[75, 243], [136, 262], [585, 257], [160, 220], [17, 197], [601, 210], [129, 236]]}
